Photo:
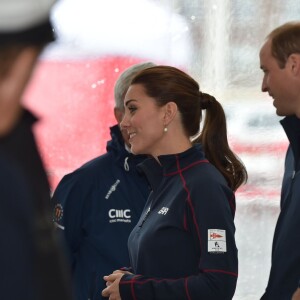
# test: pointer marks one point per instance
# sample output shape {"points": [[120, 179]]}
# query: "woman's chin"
{"points": [[136, 151]]}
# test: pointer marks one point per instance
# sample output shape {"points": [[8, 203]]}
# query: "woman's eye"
{"points": [[132, 108]]}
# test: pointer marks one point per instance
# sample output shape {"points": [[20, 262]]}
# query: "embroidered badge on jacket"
{"points": [[216, 241], [58, 212]]}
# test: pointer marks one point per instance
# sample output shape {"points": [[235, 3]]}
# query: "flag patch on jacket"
{"points": [[216, 241]]}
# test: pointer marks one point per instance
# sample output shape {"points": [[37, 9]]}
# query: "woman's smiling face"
{"points": [[144, 121]]}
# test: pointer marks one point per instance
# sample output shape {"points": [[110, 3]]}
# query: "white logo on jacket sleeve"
{"points": [[216, 241]]}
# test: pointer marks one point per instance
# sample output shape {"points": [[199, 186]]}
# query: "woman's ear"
{"points": [[170, 112]]}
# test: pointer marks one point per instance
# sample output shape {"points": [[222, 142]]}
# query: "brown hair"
{"points": [[164, 84], [285, 41]]}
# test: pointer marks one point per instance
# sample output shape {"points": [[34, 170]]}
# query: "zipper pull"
{"points": [[146, 215], [126, 165]]}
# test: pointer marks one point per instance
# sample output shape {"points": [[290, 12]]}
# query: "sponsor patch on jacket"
{"points": [[58, 212], [216, 241], [112, 189], [163, 211], [119, 215]]}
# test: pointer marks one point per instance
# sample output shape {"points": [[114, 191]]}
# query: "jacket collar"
{"points": [[291, 126], [170, 165], [116, 146]]}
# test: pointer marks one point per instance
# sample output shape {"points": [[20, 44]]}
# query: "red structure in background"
{"points": [[74, 101]]}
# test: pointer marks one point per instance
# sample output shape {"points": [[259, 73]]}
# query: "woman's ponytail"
{"points": [[213, 138]]}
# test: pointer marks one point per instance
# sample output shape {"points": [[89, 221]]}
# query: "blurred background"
{"points": [[215, 41]]}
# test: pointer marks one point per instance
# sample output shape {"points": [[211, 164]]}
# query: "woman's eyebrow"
{"points": [[129, 101]]}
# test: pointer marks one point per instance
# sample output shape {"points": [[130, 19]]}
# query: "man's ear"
{"points": [[119, 114], [170, 112], [293, 62]]}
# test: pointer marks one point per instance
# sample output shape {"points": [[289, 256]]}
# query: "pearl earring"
{"points": [[166, 129]]}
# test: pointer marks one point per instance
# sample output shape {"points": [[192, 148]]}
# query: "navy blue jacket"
{"points": [[285, 269], [17, 246], [96, 207], [183, 247], [31, 265]]}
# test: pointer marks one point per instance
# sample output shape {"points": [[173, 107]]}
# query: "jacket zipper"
{"points": [[145, 217]]}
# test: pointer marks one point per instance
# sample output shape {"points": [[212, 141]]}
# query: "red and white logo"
{"points": [[216, 241]]}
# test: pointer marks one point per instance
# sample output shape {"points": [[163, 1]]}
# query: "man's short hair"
{"points": [[285, 40]]}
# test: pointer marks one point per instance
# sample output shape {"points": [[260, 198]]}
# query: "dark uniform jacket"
{"points": [[32, 266], [96, 208], [285, 269], [183, 247]]}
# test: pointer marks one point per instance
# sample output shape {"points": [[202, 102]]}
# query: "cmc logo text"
{"points": [[119, 213]]}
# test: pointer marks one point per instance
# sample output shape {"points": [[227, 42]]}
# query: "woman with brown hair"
{"points": [[183, 247]]}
